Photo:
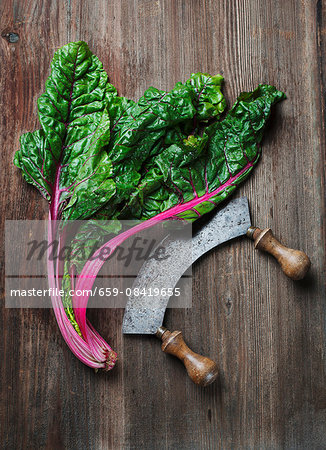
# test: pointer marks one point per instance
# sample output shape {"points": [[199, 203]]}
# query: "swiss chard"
{"points": [[167, 156], [65, 160]]}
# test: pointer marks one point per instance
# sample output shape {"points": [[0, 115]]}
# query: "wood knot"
{"points": [[10, 36]]}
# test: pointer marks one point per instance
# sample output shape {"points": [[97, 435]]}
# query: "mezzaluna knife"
{"points": [[144, 314]]}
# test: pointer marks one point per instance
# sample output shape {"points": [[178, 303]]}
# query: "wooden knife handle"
{"points": [[294, 263], [201, 370]]}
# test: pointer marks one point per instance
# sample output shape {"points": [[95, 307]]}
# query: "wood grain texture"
{"points": [[266, 332]]}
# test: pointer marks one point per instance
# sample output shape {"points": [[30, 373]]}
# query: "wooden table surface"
{"points": [[266, 332]]}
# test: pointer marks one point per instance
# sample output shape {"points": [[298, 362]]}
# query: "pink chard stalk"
{"points": [[168, 156]]}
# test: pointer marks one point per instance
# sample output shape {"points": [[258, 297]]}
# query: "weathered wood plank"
{"points": [[266, 332]]}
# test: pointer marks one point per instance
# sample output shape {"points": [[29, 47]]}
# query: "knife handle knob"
{"points": [[201, 370], [294, 263]]}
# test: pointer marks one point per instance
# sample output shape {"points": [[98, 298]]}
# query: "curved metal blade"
{"points": [[144, 314]]}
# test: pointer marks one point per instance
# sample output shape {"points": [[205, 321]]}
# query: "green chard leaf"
{"points": [[65, 160], [208, 98], [193, 175], [138, 130]]}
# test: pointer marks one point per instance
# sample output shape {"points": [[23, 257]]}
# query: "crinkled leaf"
{"points": [[194, 175], [65, 159], [208, 98], [138, 130], [35, 160]]}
